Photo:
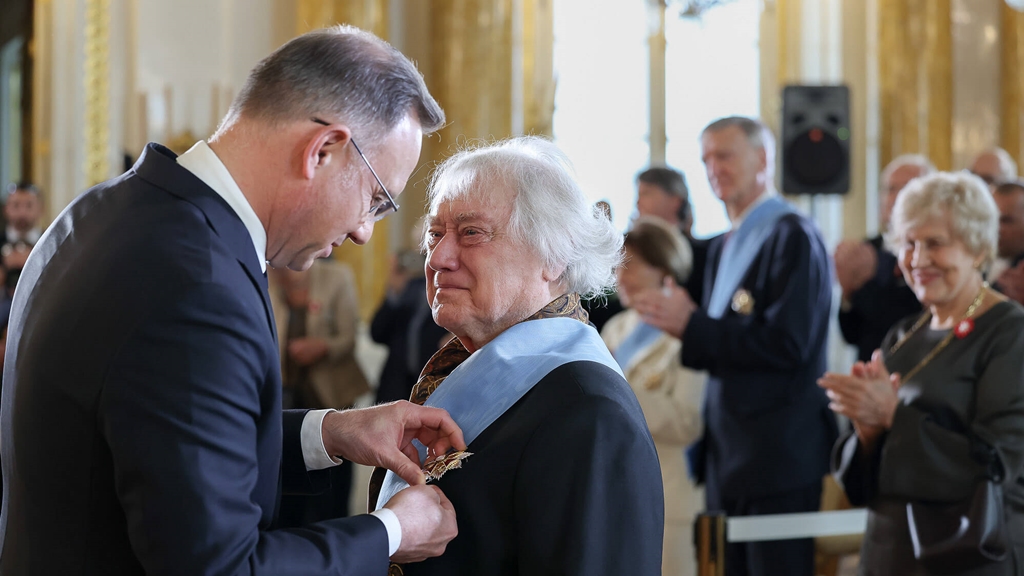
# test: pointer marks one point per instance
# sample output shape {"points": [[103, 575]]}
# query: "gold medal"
{"points": [[450, 461]]}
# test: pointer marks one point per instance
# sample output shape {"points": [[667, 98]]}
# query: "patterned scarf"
{"points": [[447, 359]]}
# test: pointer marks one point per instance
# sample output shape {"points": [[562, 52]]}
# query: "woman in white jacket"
{"points": [[669, 394]]}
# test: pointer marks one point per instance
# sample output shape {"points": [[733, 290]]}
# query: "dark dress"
{"points": [[976, 382]]}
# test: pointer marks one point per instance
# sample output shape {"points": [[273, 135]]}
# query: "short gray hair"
{"points": [[550, 213], [963, 197], [757, 133], [340, 74], [919, 160]]}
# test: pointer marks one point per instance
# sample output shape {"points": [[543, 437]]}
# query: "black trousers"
{"points": [[773, 558]]}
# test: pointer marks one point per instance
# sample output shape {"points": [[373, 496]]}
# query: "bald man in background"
{"points": [[994, 165]]}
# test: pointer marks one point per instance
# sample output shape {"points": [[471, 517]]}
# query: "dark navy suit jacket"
{"points": [[141, 420], [768, 429], [566, 483]]}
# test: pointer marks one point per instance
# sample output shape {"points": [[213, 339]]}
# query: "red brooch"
{"points": [[965, 327]]}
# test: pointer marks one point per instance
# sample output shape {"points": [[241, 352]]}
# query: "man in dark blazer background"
{"points": [[768, 430], [141, 420], [875, 296]]}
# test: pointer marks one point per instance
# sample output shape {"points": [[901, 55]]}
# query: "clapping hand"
{"points": [[867, 396], [855, 263]]}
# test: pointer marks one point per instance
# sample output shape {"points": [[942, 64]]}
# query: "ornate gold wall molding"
{"points": [[42, 88], [938, 63], [1012, 82], [97, 90], [915, 76]]}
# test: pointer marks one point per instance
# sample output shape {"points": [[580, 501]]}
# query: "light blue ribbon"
{"points": [[740, 250], [642, 336], [496, 376]]}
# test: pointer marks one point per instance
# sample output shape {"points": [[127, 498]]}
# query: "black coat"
{"points": [[880, 303], [768, 429], [566, 482], [141, 422]]}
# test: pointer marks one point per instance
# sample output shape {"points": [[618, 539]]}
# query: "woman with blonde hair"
{"points": [[939, 409]]}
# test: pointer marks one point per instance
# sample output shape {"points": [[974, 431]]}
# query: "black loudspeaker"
{"points": [[815, 140]]}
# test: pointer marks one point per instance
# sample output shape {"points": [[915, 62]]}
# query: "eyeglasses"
{"points": [[388, 205]]}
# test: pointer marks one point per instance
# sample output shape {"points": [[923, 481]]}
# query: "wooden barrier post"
{"points": [[709, 538]]}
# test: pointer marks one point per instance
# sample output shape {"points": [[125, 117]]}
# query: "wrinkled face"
{"points": [[936, 265], [22, 210], [635, 276], [1011, 222], [736, 170], [337, 202], [652, 200], [479, 280], [897, 181]]}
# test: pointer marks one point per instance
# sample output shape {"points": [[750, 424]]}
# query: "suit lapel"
{"points": [[158, 166]]}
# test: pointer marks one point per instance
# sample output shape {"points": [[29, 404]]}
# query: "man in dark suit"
{"points": [[141, 421], [875, 296], [23, 207], [662, 192], [1007, 273], [761, 334]]}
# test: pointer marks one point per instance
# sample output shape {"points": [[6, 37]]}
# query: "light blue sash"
{"points": [[638, 340], [740, 250], [496, 376]]}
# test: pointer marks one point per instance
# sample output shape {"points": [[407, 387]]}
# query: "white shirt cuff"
{"points": [[311, 435], [393, 526]]}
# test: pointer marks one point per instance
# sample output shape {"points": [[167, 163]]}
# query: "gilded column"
{"points": [[916, 76], [938, 61], [1011, 81], [656, 44], [370, 262], [538, 66], [97, 90], [42, 89]]}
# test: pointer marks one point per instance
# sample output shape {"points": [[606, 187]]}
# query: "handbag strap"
{"points": [[985, 454]]}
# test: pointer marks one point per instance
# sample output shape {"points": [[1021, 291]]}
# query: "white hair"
{"points": [[550, 213], [1007, 166], [962, 197], [919, 160]]}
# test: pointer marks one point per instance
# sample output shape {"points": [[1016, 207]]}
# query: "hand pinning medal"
{"points": [[450, 461]]}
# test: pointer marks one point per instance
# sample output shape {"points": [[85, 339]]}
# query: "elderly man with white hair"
{"points": [[561, 475], [874, 294]]}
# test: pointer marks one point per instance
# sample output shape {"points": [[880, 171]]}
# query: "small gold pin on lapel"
{"points": [[742, 302]]}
